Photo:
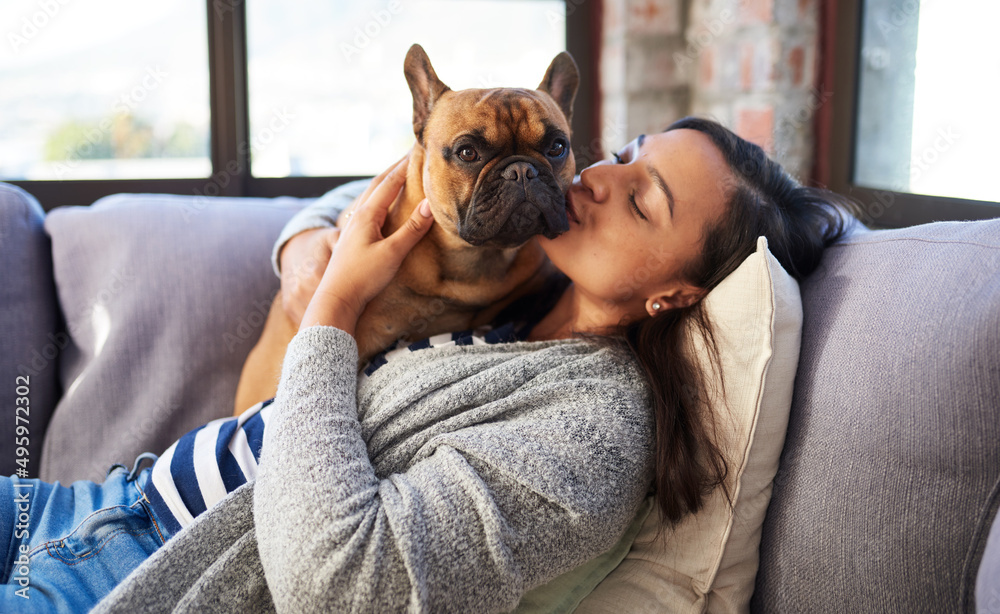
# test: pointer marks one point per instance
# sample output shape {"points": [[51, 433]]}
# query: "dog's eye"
{"points": [[557, 149], [468, 154]]}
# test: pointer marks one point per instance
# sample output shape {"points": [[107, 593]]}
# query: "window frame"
{"points": [[229, 124], [884, 208]]}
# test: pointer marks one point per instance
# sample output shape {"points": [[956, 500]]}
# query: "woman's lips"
{"points": [[570, 209]]}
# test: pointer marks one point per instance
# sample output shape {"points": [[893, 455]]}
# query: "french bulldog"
{"points": [[495, 165]]}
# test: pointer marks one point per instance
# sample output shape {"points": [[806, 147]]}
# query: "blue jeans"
{"points": [[65, 548]]}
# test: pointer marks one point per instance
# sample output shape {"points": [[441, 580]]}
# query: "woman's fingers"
{"points": [[407, 235], [362, 265], [375, 205], [377, 180], [304, 260]]}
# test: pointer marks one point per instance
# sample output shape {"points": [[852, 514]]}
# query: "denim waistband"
{"points": [[138, 463]]}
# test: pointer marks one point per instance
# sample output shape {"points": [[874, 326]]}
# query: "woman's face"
{"points": [[637, 221]]}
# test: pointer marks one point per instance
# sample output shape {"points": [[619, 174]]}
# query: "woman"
{"points": [[456, 479]]}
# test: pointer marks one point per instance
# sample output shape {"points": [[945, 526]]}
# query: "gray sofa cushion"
{"points": [[29, 321], [887, 482], [163, 298], [988, 579]]}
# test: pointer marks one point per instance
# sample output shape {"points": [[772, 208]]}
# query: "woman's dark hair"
{"points": [[762, 200]]}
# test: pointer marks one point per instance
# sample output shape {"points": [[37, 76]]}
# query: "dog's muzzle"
{"points": [[514, 203]]}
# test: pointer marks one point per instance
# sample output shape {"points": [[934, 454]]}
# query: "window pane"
{"points": [[103, 90], [327, 93], [929, 82]]}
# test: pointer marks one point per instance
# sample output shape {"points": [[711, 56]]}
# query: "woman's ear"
{"points": [[681, 295]]}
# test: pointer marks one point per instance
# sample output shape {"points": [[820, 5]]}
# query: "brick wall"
{"points": [[751, 64]]}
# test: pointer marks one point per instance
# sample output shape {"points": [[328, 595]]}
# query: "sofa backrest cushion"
{"points": [[163, 298], [165, 295], [988, 577], [29, 332], [888, 479]]}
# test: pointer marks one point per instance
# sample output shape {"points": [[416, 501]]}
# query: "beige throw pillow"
{"points": [[708, 562]]}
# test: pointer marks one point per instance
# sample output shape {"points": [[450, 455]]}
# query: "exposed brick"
{"points": [[706, 67], [766, 55], [796, 72], [651, 65], [796, 14], [756, 11], [653, 16], [613, 18], [796, 63], [707, 29], [746, 66], [757, 126], [613, 69], [710, 20], [750, 64], [651, 113]]}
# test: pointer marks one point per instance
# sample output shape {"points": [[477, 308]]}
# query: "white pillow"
{"points": [[708, 562]]}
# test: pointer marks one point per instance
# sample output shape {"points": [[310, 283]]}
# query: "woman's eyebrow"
{"points": [[658, 179], [660, 183]]}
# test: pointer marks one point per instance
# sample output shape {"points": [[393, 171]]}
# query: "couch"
{"points": [[889, 480]]}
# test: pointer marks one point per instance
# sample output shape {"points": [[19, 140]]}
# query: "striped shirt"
{"points": [[208, 463]]}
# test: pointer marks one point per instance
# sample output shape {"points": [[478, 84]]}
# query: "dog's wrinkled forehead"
{"points": [[518, 118]]}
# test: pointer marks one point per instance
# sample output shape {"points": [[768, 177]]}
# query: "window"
{"points": [[98, 90], [326, 80], [249, 97], [915, 88]]}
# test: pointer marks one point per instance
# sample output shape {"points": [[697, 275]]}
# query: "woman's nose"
{"points": [[595, 179]]}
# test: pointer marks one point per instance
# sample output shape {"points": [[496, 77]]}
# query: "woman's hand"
{"points": [[303, 260], [362, 261]]}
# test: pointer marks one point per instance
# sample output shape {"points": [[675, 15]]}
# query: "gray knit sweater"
{"points": [[452, 480]]}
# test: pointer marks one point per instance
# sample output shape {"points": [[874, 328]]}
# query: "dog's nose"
{"points": [[520, 171]]}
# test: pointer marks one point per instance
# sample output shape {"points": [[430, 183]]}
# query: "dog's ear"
{"points": [[560, 81], [424, 85]]}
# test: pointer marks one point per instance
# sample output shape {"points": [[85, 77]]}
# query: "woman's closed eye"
{"points": [[635, 206], [631, 197]]}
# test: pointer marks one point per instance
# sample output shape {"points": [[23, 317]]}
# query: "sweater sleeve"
{"points": [[469, 527], [320, 214]]}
